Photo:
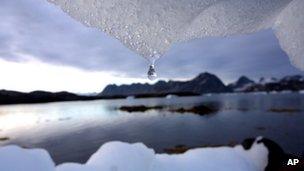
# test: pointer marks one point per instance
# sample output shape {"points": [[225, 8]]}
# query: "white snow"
{"points": [[119, 156], [268, 80], [14, 158], [151, 27]]}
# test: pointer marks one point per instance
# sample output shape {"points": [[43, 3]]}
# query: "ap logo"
{"points": [[292, 162]]}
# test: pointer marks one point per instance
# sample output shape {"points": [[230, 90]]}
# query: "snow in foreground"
{"points": [[150, 27], [119, 156]]}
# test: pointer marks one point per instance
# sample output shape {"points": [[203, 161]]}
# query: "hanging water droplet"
{"points": [[152, 59], [152, 73]]}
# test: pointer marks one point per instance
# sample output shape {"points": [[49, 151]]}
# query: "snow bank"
{"points": [[14, 158], [151, 27], [118, 156]]}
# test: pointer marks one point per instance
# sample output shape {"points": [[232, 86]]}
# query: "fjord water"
{"points": [[72, 131]]}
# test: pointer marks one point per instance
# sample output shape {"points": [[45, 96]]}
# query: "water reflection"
{"points": [[72, 131]]}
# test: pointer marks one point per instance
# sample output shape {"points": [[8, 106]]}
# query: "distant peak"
{"points": [[204, 75], [244, 79]]}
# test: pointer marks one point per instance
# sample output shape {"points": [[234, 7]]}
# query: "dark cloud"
{"points": [[39, 29]]}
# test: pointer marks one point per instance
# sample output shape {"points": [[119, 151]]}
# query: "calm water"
{"points": [[72, 131]]}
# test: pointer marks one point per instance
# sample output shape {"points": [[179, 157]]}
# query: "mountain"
{"points": [[241, 84], [14, 97], [203, 83], [287, 83]]}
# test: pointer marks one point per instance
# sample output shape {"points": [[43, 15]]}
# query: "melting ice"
{"points": [[118, 156], [148, 27]]}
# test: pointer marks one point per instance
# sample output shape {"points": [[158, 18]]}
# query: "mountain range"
{"points": [[205, 83], [288, 83], [202, 84]]}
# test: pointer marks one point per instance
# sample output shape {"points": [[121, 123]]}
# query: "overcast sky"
{"points": [[43, 48]]}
